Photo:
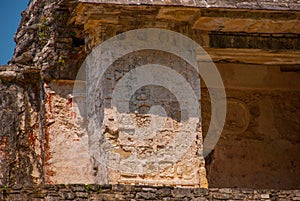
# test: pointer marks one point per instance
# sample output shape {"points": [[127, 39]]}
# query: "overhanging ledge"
{"points": [[248, 4]]}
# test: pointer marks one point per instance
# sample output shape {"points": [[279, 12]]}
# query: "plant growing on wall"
{"points": [[43, 32]]}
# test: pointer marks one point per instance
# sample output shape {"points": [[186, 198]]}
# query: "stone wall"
{"points": [[256, 52], [123, 141], [125, 192], [22, 142], [255, 143]]}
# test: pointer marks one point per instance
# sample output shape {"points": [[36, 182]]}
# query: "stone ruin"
{"points": [[255, 46]]}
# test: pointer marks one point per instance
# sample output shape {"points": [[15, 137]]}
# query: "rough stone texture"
{"points": [[45, 42], [68, 159], [260, 4], [41, 143], [21, 142], [125, 192], [119, 140]]}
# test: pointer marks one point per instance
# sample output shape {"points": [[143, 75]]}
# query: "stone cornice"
{"points": [[248, 4]]}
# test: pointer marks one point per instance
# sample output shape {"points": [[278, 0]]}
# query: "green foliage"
{"points": [[72, 33], [43, 32], [3, 188], [63, 16], [88, 187], [61, 61]]}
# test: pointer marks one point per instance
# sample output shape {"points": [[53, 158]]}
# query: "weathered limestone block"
{"points": [[130, 148], [8, 123], [67, 153], [21, 156]]}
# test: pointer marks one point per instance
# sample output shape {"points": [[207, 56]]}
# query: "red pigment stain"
{"points": [[48, 171], [31, 140], [69, 105], [69, 102], [49, 101]]}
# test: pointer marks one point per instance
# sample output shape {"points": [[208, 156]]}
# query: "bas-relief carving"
{"points": [[237, 119]]}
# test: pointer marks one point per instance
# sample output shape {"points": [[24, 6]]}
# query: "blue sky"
{"points": [[10, 16]]}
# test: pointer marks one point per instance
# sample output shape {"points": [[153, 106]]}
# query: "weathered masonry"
{"points": [[135, 192], [255, 46]]}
